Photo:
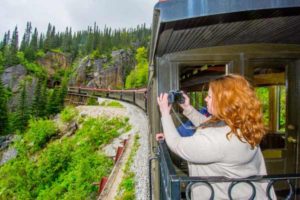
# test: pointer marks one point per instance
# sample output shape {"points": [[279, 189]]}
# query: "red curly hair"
{"points": [[234, 101]]}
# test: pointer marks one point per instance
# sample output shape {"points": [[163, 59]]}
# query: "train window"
{"points": [[194, 79], [282, 108], [270, 82], [197, 98], [273, 99], [263, 95]]}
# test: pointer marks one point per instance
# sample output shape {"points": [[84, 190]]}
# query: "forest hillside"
{"points": [[47, 149], [37, 68]]}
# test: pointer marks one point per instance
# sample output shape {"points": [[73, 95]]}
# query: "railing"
{"points": [[135, 96], [174, 187]]}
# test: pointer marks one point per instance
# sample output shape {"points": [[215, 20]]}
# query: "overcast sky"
{"points": [[78, 14]]}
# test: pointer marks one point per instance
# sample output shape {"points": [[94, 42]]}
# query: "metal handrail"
{"points": [[172, 183], [134, 96], [150, 174]]}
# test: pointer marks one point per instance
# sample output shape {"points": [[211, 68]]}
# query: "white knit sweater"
{"points": [[210, 153]]}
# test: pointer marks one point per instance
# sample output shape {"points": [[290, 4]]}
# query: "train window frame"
{"points": [[272, 75], [200, 70], [278, 92], [198, 92]]}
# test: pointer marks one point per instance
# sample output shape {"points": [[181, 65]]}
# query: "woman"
{"points": [[225, 144]]}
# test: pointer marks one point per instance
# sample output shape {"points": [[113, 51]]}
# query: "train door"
{"points": [[277, 85]]}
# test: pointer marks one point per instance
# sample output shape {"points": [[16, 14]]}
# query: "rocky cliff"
{"points": [[14, 75], [104, 72], [89, 72], [52, 62]]}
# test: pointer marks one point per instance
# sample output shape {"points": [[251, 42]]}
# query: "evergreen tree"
{"points": [[40, 99], [5, 41], [22, 111], [1, 62], [26, 37], [62, 92], [41, 41], [53, 38], [47, 42], [90, 41], [75, 46], [53, 102], [66, 42], [43, 100], [30, 51], [3, 110], [15, 41], [23, 45], [36, 99], [10, 51]]}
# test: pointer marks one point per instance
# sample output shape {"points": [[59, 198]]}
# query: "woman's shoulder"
{"points": [[214, 132], [221, 134]]}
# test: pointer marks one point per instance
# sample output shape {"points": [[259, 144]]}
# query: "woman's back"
{"points": [[236, 159]]}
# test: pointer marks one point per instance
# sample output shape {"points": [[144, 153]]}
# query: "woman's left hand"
{"points": [[163, 104]]}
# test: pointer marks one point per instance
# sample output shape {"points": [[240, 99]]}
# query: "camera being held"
{"points": [[175, 96]]}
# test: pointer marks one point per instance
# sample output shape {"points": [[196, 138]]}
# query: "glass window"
{"points": [[273, 99], [263, 95], [282, 108]]}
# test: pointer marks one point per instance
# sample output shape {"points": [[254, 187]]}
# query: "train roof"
{"points": [[180, 25]]}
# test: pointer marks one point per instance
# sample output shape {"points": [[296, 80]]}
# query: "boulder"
{"points": [[8, 155]]}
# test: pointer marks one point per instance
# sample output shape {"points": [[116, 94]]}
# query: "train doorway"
{"points": [[275, 86]]}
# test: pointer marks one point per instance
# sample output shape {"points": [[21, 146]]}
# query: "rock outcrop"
{"points": [[12, 76], [6, 153], [102, 72], [52, 62]]}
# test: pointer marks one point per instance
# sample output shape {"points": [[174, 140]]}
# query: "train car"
{"points": [[194, 41]]}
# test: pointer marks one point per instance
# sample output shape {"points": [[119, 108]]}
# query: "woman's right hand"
{"points": [[186, 103], [164, 106]]}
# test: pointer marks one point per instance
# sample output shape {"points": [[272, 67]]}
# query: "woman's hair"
{"points": [[234, 101]]}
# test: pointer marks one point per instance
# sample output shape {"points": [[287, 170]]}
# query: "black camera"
{"points": [[175, 96]]}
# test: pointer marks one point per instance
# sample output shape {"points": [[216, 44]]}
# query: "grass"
{"points": [[112, 104], [68, 114], [126, 190]]}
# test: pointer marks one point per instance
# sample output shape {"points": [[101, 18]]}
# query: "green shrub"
{"points": [[52, 162], [126, 188], [18, 179], [57, 50], [95, 54], [66, 168], [92, 101], [68, 114], [138, 77], [99, 131], [40, 54], [112, 104], [115, 104], [32, 67], [39, 133]]}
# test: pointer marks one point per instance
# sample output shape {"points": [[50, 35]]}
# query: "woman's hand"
{"points": [[186, 103], [159, 136], [163, 104]]}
